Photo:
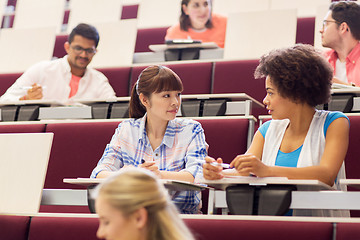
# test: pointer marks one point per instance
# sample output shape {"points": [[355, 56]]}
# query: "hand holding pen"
{"points": [[34, 92], [150, 165], [212, 169]]}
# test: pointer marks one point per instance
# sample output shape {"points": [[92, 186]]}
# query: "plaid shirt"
{"points": [[181, 149]]}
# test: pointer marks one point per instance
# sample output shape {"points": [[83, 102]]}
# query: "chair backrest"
{"points": [[305, 8], [149, 12], [117, 44], [346, 231], [227, 141], [209, 229], [129, 11], [352, 165], [59, 50], [22, 128], [39, 13], [76, 150], [119, 79], [196, 77], [93, 11], [6, 80], [149, 36], [14, 227], [16, 56], [265, 37], [59, 228], [28, 155], [305, 30], [224, 7]]}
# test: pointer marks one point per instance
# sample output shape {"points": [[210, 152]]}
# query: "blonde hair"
{"points": [[132, 189]]}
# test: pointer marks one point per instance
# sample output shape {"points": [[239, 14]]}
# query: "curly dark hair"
{"points": [[348, 12], [300, 73]]}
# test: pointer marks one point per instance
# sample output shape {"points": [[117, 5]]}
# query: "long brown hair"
{"points": [[153, 79]]}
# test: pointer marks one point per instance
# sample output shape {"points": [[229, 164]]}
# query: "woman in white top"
{"points": [[300, 142]]}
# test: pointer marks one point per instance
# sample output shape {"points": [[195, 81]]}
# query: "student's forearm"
{"points": [[320, 173], [103, 174], [182, 176]]}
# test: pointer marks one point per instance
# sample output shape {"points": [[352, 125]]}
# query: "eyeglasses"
{"points": [[88, 51], [325, 23]]}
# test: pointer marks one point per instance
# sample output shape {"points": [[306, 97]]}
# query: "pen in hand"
{"points": [[224, 165]]}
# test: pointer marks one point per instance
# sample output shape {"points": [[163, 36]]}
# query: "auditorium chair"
{"points": [[238, 77], [6, 80], [209, 229], [347, 230], [149, 36], [118, 79], [60, 228], [14, 227], [196, 77]]}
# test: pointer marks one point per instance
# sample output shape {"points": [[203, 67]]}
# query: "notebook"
{"points": [[23, 162]]}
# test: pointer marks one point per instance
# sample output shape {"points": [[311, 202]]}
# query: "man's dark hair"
{"points": [[86, 31], [348, 12]]}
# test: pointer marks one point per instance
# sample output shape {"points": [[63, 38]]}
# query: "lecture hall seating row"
{"points": [[58, 228], [198, 78], [78, 146]]}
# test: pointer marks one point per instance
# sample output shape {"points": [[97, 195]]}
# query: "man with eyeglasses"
{"points": [[341, 33], [67, 79]]}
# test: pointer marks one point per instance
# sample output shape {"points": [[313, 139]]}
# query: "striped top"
{"points": [[182, 149]]}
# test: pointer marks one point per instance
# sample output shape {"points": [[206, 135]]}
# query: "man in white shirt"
{"points": [[67, 78], [341, 33]]}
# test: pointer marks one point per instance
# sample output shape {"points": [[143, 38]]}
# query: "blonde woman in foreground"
{"points": [[133, 204]]}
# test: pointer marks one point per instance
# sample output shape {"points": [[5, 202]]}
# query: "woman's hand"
{"points": [[249, 164], [152, 167], [211, 172]]}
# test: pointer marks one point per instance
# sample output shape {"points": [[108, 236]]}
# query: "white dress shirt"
{"points": [[54, 76]]}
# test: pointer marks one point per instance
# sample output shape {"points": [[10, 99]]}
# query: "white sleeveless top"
{"points": [[310, 155]]}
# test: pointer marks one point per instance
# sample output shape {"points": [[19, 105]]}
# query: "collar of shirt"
{"points": [[169, 136], [354, 55], [66, 66]]}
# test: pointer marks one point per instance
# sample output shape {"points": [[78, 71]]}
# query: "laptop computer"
{"points": [[23, 162]]}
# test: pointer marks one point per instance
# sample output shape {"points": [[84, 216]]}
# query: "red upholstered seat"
{"points": [[119, 79], [352, 164], [346, 231], [213, 229], [226, 137], [129, 11], [238, 77], [76, 149], [6, 80], [22, 128], [60, 228], [305, 30], [59, 50], [14, 227], [196, 77], [149, 36]]}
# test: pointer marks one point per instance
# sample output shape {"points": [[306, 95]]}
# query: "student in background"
{"points": [[197, 22], [155, 139], [341, 33], [133, 204], [68, 78], [300, 142]]}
